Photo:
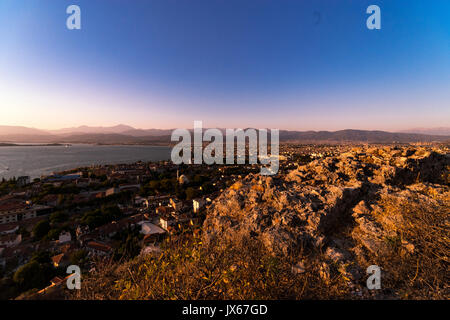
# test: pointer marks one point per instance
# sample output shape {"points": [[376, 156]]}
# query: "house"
{"points": [[166, 222], [8, 228], [99, 249], [10, 240], [13, 210], [140, 202], [151, 232], [81, 230], [111, 191], [176, 204], [64, 237], [108, 230], [67, 248], [23, 181], [198, 204], [164, 210], [100, 194], [60, 260]]}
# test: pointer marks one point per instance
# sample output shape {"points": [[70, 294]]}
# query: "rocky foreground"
{"points": [[307, 234], [348, 207]]}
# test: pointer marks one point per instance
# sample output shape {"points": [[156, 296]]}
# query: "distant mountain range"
{"points": [[123, 134], [442, 131], [119, 129]]}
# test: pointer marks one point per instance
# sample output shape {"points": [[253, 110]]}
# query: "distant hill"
{"points": [[358, 136], [100, 138], [19, 130], [121, 128], [122, 134], [441, 131], [148, 132]]}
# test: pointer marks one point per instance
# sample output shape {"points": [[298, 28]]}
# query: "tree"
{"points": [[79, 257], [191, 193], [30, 276], [41, 257], [58, 217], [41, 229], [54, 233]]}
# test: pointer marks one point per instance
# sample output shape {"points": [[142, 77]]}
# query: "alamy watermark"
{"points": [[186, 152], [374, 280], [74, 278], [73, 22], [373, 22]]}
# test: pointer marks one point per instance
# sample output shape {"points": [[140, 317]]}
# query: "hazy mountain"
{"points": [[121, 128], [114, 138], [350, 135], [441, 131], [19, 130], [122, 134], [148, 132], [28, 138]]}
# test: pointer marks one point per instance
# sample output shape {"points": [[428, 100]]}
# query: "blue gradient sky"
{"points": [[233, 63]]}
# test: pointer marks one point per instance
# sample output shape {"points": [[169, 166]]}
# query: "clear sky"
{"points": [[231, 63]]}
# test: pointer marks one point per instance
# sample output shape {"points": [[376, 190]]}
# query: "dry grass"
{"points": [[415, 263], [186, 269]]}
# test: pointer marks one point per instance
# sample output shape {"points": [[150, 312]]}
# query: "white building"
{"points": [[65, 237], [148, 228], [197, 204]]}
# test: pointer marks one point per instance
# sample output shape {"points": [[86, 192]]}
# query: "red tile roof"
{"points": [[99, 246]]}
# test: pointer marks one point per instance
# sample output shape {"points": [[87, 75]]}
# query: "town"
{"points": [[117, 212], [100, 212]]}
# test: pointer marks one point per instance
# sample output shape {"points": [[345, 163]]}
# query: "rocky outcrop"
{"points": [[334, 203]]}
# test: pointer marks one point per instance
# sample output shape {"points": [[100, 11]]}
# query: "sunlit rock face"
{"points": [[333, 203]]}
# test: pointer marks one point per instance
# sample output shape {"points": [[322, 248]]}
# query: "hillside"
{"points": [[308, 234], [357, 136]]}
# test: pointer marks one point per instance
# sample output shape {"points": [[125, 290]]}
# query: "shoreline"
{"points": [[34, 145]]}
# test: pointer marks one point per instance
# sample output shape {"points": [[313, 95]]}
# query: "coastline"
{"points": [[34, 145]]}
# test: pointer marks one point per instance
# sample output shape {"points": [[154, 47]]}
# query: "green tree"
{"points": [[58, 217], [30, 276], [41, 229], [54, 233], [79, 257]]}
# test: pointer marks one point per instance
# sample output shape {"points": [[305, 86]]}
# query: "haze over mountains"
{"points": [[441, 131], [124, 134]]}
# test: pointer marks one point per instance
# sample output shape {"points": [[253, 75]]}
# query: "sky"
{"points": [[297, 65]]}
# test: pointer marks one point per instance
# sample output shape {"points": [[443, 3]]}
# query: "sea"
{"points": [[38, 160]]}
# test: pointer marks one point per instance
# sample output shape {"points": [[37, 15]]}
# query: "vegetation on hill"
{"points": [[186, 268]]}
